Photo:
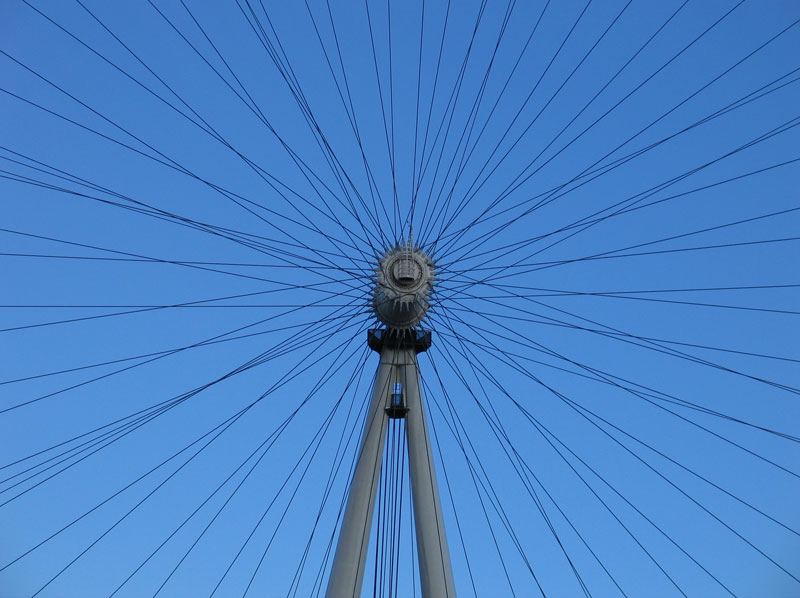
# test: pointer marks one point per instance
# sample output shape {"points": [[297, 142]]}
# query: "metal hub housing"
{"points": [[403, 285]]}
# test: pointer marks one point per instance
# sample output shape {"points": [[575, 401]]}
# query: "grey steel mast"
{"points": [[403, 285]]}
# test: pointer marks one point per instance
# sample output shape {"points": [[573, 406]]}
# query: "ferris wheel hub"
{"points": [[404, 282]]}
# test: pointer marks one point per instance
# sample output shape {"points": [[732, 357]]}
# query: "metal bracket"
{"points": [[419, 340]]}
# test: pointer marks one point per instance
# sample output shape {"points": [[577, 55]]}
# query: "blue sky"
{"points": [[609, 191]]}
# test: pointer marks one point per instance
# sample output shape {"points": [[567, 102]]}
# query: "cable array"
{"points": [[197, 198]]}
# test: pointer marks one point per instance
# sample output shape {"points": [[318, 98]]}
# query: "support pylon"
{"points": [[398, 364]]}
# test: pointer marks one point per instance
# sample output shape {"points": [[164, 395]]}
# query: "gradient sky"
{"points": [[183, 192]]}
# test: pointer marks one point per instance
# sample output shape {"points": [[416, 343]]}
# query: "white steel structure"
{"points": [[403, 285]]}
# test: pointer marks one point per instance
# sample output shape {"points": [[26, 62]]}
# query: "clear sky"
{"points": [[193, 196]]}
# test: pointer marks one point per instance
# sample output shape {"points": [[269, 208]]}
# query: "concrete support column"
{"points": [[347, 573], [436, 574], [398, 364]]}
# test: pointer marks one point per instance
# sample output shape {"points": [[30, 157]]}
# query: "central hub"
{"points": [[403, 285]]}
